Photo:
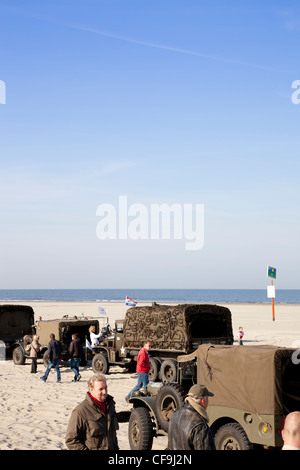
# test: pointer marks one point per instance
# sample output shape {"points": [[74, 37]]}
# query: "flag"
{"points": [[271, 272], [130, 302], [102, 311]]}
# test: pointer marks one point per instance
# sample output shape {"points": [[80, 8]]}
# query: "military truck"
{"points": [[15, 323], [62, 329], [173, 330], [254, 388]]}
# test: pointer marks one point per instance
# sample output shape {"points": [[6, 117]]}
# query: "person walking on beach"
{"points": [[240, 335], [291, 431], [142, 369], [93, 423], [54, 356], [34, 350], [76, 353], [188, 427]]}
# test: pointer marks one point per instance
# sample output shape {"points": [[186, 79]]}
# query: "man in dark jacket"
{"points": [[54, 356], [188, 428], [93, 423], [76, 354]]}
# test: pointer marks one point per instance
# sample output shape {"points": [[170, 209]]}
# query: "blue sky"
{"points": [[185, 102]]}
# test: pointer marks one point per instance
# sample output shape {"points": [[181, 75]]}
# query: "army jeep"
{"points": [[63, 330], [254, 388]]}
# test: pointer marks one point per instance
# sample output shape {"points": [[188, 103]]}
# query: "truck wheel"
{"points": [[169, 370], [45, 358], [140, 430], [232, 436], [18, 356], [170, 398], [154, 369], [100, 363]]}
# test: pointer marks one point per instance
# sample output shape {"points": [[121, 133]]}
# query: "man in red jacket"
{"points": [[142, 369]]}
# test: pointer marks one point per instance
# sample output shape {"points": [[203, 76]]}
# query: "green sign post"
{"points": [[272, 274]]}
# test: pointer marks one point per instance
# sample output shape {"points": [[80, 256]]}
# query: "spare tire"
{"points": [[170, 398]]}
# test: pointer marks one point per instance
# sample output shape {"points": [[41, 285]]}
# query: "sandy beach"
{"points": [[34, 414]]}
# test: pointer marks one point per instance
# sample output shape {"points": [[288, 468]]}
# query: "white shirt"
{"points": [[94, 338]]}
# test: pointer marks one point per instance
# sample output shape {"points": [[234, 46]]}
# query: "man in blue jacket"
{"points": [[54, 356]]}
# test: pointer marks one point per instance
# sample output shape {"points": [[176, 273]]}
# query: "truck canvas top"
{"points": [[15, 322], [177, 327], [257, 379]]}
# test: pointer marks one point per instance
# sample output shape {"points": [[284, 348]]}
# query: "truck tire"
{"points": [[100, 363], [45, 358], [154, 369], [18, 356], [140, 429], [170, 398], [169, 370], [231, 436]]}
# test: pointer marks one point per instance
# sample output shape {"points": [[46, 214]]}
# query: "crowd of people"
{"points": [[93, 424]]}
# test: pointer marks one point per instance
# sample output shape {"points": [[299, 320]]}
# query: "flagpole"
{"points": [[271, 272], [273, 307]]}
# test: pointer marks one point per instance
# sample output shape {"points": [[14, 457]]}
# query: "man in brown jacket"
{"points": [[34, 350], [93, 424]]}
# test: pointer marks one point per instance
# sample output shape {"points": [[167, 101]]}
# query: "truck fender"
{"points": [[101, 350]]}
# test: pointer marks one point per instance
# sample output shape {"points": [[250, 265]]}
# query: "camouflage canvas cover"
{"points": [[248, 378], [174, 327], [15, 321]]}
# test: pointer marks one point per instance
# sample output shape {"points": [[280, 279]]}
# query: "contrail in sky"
{"points": [[163, 47], [140, 42]]}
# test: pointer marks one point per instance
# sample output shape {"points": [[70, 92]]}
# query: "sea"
{"points": [[289, 296]]}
